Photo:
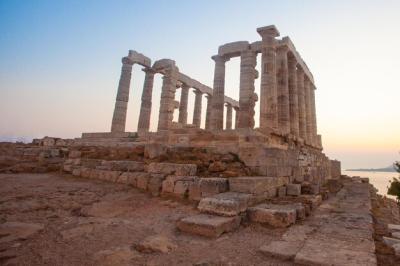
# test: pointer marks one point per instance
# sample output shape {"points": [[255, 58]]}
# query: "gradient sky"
{"points": [[60, 63]]}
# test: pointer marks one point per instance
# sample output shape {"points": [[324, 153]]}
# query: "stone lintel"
{"points": [[233, 49], [139, 58], [270, 30]]}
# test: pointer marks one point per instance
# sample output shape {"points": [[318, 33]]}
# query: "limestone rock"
{"points": [[273, 214], [208, 225], [285, 250], [11, 231], [156, 243], [225, 204], [155, 150], [173, 169], [217, 167], [123, 256], [293, 189]]}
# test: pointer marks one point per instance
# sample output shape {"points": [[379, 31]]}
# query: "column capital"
{"points": [[127, 61], [228, 105], [268, 31], [148, 70], [282, 49], [219, 58], [208, 96], [197, 91], [185, 86]]}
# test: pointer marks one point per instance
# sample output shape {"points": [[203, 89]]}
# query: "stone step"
{"points": [[206, 187], [208, 225], [275, 215], [226, 204], [394, 227], [257, 184], [284, 250], [172, 169]]}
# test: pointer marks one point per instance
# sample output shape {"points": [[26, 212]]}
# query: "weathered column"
{"points": [[268, 89], [145, 107], [208, 111], [293, 97], [197, 108], [167, 101], [183, 104], [307, 91], [302, 103], [313, 116], [217, 117], [228, 116], [236, 116], [248, 73], [121, 102], [283, 90]]}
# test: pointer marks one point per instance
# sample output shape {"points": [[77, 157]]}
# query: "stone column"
{"points": [[293, 97], [145, 107], [167, 101], [217, 116], [313, 116], [248, 74], [121, 102], [228, 116], [268, 89], [307, 91], [183, 104], [302, 103], [197, 108], [236, 116], [283, 90], [208, 111]]}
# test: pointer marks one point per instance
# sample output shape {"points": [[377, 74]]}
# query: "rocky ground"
{"points": [[54, 219]]}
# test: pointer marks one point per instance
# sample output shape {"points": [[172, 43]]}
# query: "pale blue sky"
{"points": [[60, 62]]}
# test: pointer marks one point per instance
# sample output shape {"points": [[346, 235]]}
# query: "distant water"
{"points": [[380, 180]]}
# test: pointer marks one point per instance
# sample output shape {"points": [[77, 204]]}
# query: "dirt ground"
{"points": [[57, 219]]}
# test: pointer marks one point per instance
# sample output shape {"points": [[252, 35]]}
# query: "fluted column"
{"points": [[121, 102], [217, 117], [236, 116], [307, 91], [197, 108], [183, 104], [268, 89], [145, 107], [283, 90], [228, 116], [313, 116], [302, 103], [248, 74], [208, 111], [167, 100], [293, 97]]}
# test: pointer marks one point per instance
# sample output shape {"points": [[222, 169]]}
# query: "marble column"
{"points": [[293, 97], [236, 116], [197, 108], [313, 116], [167, 100], [208, 111], [183, 104], [248, 73], [268, 88], [217, 115], [145, 107], [302, 103], [307, 93], [283, 90], [228, 116], [121, 103]]}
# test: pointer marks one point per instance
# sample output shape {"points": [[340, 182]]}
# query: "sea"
{"points": [[380, 180]]}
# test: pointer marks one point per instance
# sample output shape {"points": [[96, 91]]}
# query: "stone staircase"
{"points": [[223, 203]]}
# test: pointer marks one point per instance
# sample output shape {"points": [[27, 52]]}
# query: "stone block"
{"points": [[226, 204], [293, 189], [76, 172], [285, 250], [142, 181], [124, 166], [212, 186], [85, 172], [155, 150], [181, 188], [173, 169], [256, 184], [394, 227], [68, 168], [282, 191], [334, 185], [208, 225], [274, 215], [155, 184], [74, 154]]}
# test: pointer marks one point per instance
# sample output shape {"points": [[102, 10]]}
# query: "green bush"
{"points": [[394, 188]]}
